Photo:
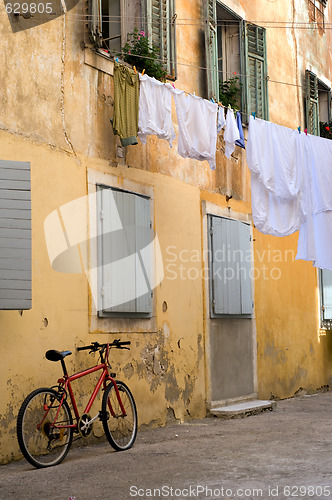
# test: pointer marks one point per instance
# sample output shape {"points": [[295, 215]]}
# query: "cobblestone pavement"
{"points": [[282, 454]]}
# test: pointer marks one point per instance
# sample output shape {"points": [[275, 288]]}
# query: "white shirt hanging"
{"points": [[231, 133], [155, 110], [197, 119], [221, 119]]}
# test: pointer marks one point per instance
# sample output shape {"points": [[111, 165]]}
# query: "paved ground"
{"points": [[282, 454]]}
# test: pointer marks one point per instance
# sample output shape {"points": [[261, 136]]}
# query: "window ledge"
{"points": [[99, 61]]}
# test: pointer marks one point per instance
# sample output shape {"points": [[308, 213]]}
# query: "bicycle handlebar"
{"points": [[95, 346]]}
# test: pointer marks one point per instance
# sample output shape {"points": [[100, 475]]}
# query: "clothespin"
{"points": [[220, 104], [135, 69], [143, 71], [254, 115], [299, 129], [212, 100], [173, 85], [306, 131], [117, 59]]}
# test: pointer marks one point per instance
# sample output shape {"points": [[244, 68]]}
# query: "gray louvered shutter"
{"points": [[312, 105], [256, 92], [95, 21], [211, 49], [230, 267], [326, 294], [160, 21], [125, 253], [15, 235]]}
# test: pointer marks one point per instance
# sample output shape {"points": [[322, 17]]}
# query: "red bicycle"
{"points": [[45, 426]]}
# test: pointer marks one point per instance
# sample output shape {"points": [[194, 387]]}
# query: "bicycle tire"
{"points": [[43, 447], [120, 430]]}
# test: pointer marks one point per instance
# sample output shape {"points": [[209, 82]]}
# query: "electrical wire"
{"points": [[193, 66], [86, 19], [200, 21]]}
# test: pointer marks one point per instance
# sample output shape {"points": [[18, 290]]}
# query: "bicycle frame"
{"points": [[65, 383]]}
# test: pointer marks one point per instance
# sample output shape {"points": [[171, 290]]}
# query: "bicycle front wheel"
{"points": [[42, 443], [120, 428]]}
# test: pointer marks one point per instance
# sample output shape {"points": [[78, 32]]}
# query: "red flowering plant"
{"points": [[326, 129], [139, 52]]}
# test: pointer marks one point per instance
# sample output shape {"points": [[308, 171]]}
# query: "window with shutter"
{"points": [[312, 109], [326, 298], [211, 50], [256, 94], [110, 21], [234, 47], [317, 105], [15, 235], [160, 25], [124, 253], [230, 268]]}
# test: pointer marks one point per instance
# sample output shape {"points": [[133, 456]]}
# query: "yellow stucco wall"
{"points": [[54, 112]]}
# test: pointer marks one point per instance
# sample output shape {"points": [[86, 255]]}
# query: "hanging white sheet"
{"points": [[291, 187], [155, 110], [197, 122]]}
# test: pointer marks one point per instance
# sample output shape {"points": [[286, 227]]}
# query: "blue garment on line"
{"points": [[240, 142]]}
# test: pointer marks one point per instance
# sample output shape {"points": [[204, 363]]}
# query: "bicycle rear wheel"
{"points": [[120, 429], [41, 443]]}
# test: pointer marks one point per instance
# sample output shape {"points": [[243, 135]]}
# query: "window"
{"points": [[316, 12], [236, 47], [125, 241], [317, 103], [112, 20], [15, 235], [326, 298], [230, 267]]}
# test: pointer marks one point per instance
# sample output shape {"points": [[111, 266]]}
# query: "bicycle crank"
{"points": [[85, 425]]}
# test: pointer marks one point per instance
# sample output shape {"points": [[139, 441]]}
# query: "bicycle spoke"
{"points": [[120, 429], [42, 443]]}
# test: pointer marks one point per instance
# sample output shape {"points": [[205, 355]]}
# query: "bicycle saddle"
{"points": [[53, 355]]}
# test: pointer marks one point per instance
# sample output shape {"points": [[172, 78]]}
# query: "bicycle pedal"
{"points": [[104, 415]]}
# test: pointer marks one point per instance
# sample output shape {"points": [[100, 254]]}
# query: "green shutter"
{"points": [[230, 267], [95, 21], [255, 70], [211, 49], [326, 294], [160, 25], [312, 106]]}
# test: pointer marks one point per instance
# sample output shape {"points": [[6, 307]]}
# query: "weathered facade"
{"points": [[56, 101]]}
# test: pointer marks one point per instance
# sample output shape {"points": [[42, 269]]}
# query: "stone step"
{"points": [[244, 409]]}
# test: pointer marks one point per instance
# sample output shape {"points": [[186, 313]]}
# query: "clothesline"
{"points": [[291, 173], [212, 100], [235, 74], [202, 21]]}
